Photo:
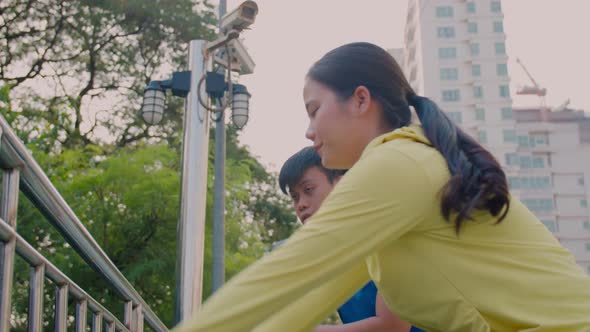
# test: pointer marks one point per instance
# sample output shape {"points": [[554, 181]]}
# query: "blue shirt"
{"points": [[362, 305]]}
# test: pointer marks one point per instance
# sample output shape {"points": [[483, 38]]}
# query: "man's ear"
{"points": [[361, 98]]}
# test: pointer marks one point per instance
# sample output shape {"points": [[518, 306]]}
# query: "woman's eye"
{"points": [[312, 113], [308, 190]]}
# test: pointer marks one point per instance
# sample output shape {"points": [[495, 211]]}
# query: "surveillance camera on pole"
{"points": [[239, 18]]}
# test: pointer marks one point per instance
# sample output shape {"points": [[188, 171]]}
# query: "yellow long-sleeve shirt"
{"points": [[383, 222]]}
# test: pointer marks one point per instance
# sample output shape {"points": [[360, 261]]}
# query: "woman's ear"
{"points": [[361, 99]]}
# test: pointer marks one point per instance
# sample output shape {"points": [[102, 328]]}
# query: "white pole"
{"points": [[191, 227]]}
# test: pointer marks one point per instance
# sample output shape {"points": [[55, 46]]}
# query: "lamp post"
{"points": [[218, 259], [193, 84]]}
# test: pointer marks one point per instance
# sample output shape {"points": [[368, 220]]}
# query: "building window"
{"points": [[507, 113], [540, 139], [476, 70], [444, 11], [535, 183], [471, 7], [472, 27], [526, 162], [500, 48], [509, 135], [474, 49], [482, 136], [480, 114], [525, 183], [446, 32], [447, 53], [504, 91], [588, 246], [495, 6], [498, 27], [551, 225], [538, 162], [477, 92], [539, 205], [449, 74], [583, 203], [502, 69], [512, 159], [513, 182], [451, 95], [587, 225], [456, 117], [581, 181]]}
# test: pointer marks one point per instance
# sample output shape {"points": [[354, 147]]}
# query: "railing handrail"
{"points": [[40, 191], [29, 253]]}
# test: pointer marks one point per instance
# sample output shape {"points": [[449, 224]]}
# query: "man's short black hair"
{"points": [[293, 169]]}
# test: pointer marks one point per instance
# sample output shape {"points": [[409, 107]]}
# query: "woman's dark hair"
{"points": [[477, 180]]}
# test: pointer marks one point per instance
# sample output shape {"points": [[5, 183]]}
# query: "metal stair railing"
{"points": [[22, 173]]}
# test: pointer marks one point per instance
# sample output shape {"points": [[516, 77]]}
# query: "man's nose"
{"points": [[302, 204]]}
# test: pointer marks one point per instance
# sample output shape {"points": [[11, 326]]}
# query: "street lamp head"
{"points": [[240, 105], [154, 100]]}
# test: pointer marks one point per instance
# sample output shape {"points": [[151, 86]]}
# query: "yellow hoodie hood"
{"points": [[413, 132]]}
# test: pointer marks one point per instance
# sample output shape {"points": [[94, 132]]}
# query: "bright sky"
{"points": [[288, 36]]}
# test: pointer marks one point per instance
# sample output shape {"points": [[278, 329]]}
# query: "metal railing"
{"points": [[22, 173]]}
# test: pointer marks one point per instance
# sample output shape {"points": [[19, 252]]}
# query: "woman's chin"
{"points": [[331, 163]]}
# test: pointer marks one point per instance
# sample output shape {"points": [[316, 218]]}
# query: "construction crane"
{"points": [[535, 89], [561, 107]]}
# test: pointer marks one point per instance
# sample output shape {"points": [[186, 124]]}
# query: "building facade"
{"points": [[555, 182], [455, 54]]}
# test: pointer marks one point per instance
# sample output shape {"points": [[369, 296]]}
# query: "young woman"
{"points": [[424, 211]]}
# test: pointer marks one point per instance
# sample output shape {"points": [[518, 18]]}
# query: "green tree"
{"points": [[78, 68], [128, 200], [74, 71]]}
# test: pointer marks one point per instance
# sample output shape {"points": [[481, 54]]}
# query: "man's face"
{"points": [[308, 194]]}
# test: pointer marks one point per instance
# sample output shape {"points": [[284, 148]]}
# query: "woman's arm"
{"points": [[381, 198]]}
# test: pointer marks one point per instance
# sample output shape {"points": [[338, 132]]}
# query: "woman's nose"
{"points": [[310, 133]]}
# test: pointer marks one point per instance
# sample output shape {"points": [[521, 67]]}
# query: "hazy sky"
{"points": [[288, 36]]}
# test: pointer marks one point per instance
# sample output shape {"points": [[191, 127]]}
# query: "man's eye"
{"points": [[308, 190]]}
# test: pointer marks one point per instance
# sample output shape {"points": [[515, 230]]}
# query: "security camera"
{"points": [[241, 17], [241, 61]]}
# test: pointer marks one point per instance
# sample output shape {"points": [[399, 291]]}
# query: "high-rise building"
{"points": [[455, 54], [555, 182]]}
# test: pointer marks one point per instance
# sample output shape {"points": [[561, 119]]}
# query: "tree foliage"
{"points": [[71, 78], [78, 68]]}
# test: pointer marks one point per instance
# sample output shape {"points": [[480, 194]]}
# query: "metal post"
{"points": [[8, 209], [138, 318], [96, 322], [81, 315], [61, 308], [35, 319], [218, 263], [127, 314], [191, 227]]}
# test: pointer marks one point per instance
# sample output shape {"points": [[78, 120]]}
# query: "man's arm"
{"points": [[384, 320]]}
